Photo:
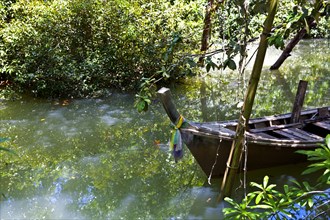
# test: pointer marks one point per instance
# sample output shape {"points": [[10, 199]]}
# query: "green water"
{"points": [[100, 159]]}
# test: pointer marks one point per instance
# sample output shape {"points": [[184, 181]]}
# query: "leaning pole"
{"points": [[237, 146]]}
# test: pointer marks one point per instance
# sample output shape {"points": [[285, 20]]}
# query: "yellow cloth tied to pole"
{"points": [[176, 145]]}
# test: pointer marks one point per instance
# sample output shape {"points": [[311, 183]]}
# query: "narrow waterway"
{"points": [[101, 159]]}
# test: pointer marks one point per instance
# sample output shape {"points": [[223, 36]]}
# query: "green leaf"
{"points": [[326, 172], [229, 63], [230, 211], [208, 67], [192, 63], [310, 202], [230, 200], [307, 186], [311, 170], [263, 206], [142, 105], [305, 152], [256, 185], [232, 64], [270, 187], [259, 197], [265, 182], [327, 140], [165, 74]]}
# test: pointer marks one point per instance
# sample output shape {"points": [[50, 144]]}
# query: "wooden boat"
{"points": [[271, 140]]}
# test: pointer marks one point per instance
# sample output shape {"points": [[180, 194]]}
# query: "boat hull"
{"points": [[212, 154], [270, 140]]}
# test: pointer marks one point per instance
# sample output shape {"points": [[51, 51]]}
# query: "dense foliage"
{"points": [[78, 48], [296, 201], [74, 48]]}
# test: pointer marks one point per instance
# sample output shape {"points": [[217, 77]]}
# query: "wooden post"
{"points": [[165, 96], [299, 101], [323, 112], [237, 146]]}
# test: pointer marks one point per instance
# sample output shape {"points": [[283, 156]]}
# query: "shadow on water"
{"points": [[100, 159]]}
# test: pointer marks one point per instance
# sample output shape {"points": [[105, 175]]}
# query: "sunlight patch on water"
{"points": [[56, 114], [90, 160], [109, 120], [41, 207], [113, 117]]}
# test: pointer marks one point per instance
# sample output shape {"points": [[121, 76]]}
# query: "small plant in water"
{"points": [[298, 201]]}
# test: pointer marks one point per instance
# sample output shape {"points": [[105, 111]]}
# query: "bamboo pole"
{"points": [[237, 146]]}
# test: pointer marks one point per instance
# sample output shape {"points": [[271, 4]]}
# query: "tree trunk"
{"points": [[286, 52], [210, 8], [315, 14], [237, 146]]}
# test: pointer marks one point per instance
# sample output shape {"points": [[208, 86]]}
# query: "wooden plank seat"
{"points": [[327, 121], [322, 124], [306, 134], [261, 134], [275, 127], [287, 134]]}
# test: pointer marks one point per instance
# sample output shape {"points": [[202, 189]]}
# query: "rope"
{"points": [[245, 150], [215, 162]]}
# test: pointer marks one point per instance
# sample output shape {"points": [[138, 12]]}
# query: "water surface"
{"points": [[100, 159]]}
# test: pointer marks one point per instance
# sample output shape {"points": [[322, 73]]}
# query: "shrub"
{"points": [[75, 48]]}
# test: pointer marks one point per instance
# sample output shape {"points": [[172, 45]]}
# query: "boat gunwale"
{"points": [[233, 122], [260, 140], [201, 129]]}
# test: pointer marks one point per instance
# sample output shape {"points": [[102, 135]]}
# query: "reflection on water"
{"points": [[99, 158], [92, 159], [219, 94]]}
